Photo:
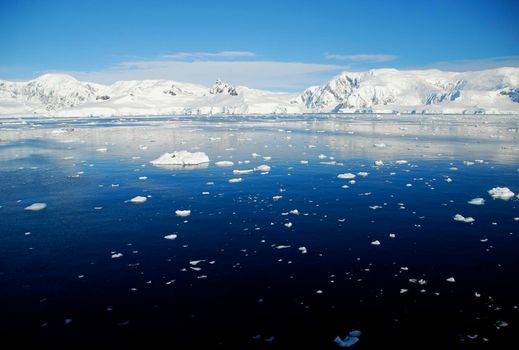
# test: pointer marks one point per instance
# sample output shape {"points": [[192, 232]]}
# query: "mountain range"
{"points": [[493, 91]]}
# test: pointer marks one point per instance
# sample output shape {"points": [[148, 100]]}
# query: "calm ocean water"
{"points": [[283, 259]]}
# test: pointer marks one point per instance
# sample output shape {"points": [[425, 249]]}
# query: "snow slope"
{"points": [[378, 91], [417, 91]]}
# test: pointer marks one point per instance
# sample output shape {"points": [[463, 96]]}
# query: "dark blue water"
{"points": [[60, 284]]}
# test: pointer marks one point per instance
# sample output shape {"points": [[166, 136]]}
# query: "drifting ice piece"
{"points": [[181, 158]]}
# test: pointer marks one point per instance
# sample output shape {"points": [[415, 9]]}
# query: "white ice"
{"points": [[346, 176], [138, 199], [461, 218], [476, 201], [503, 193], [36, 206], [182, 213], [224, 163], [181, 158]]}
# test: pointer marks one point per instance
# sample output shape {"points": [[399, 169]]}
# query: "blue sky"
{"points": [[282, 45]]}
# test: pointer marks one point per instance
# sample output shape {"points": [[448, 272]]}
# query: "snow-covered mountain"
{"points": [[417, 91], [378, 90]]}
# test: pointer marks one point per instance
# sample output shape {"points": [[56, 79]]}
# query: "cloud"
{"points": [[477, 64], [208, 55], [362, 57], [274, 75]]}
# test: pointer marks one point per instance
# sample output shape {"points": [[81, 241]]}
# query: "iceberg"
{"points": [[181, 158], [503, 193], [36, 206]]}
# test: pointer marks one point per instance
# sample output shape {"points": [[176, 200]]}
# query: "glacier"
{"points": [[492, 91]]}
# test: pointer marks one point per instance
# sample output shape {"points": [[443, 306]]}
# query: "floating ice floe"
{"points": [[476, 201], [116, 255], [346, 176], [171, 237], [362, 173], [451, 280], [242, 172], [503, 193], [138, 199], [461, 218], [264, 168], [375, 242], [302, 250], [294, 212], [276, 198], [182, 213], [379, 163], [379, 145], [181, 158], [102, 150], [401, 162], [321, 156], [235, 180], [36, 206], [224, 163], [283, 246], [304, 162], [288, 225], [143, 177]]}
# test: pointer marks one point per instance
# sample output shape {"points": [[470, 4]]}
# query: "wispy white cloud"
{"points": [[210, 55], [362, 57], [476, 64], [275, 75]]}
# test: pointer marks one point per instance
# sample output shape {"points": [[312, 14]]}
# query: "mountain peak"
{"points": [[220, 87], [56, 78]]}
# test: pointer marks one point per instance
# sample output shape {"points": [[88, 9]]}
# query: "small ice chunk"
{"points": [[138, 199], [181, 158], [36, 206], [288, 225], [196, 262], [362, 173], [143, 177], [346, 342], [392, 235], [375, 242], [476, 201], [379, 163], [242, 172], [379, 145], [235, 180], [224, 163], [264, 168], [116, 255], [283, 246], [276, 198], [401, 161], [321, 156], [303, 250], [294, 212], [503, 193], [182, 213], [461, 218], [102, 150], [304, 162], [346, 176], [171, 237], [451, 279]]}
